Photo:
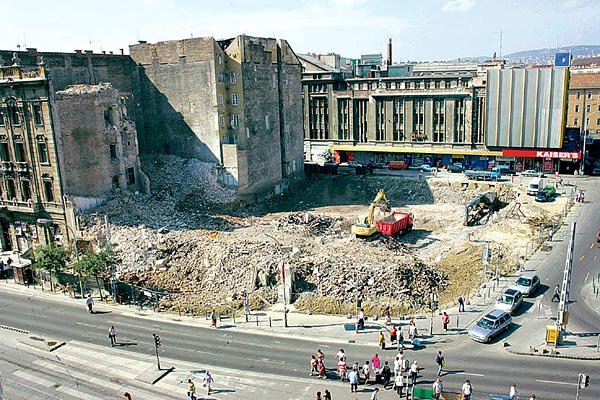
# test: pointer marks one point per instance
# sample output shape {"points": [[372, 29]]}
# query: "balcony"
{"points": [[15, 205], [22, 167], [6, 166]]}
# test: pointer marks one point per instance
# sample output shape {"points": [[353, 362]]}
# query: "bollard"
{"points": [[257, 320], [246, 317], [457, 320], [270, 325], [431, 325], [233, 316]]}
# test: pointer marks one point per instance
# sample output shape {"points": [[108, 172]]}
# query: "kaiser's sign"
{"points": [[569, 155]]}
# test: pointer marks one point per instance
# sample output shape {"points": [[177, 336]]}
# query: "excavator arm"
{"points": [[366, 227]]}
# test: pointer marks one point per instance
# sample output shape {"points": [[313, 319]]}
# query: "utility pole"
{"points": [[112, 265], [282, 264], [563, 306]]}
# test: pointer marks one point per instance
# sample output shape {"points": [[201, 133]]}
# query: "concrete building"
{"points": [[234, 102]]}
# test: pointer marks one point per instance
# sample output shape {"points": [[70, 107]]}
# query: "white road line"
{"points": [[558, 383], [77, 393], [469, 373], [586, 277], [28, 377]]}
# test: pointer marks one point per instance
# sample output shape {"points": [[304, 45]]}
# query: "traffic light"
{"points": [[584, 381], [157, 343]]}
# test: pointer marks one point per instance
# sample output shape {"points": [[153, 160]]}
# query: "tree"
{"points": [[94, 264], [51, 259]]}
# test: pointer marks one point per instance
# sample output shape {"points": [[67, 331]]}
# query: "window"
{"points": [[220, 100], [130, 176], [275, 83], [48, 192], [576, 122], [11, 191], [232, 78], [267, 122], [599, 107], [43, 152], [4, 153], [589, 95], [576, 108], [598, 121], [587, 121], [38, 118], [20, 152], [108, 116], [113, 152], [234, 99], [588, 108], [115, 182], [235, 120], [13, 113], [1, 117], [220, 59], [221, 77], [578, 95], [25, 190], [221, 121]]}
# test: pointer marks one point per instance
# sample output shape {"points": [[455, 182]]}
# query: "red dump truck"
{"points": [[395, 224]]}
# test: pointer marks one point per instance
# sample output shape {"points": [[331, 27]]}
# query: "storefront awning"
{"points": [[457, 152]]}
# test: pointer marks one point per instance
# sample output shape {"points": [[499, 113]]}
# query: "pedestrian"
{"points": [[467, 390], [341, 355], [246, 304], [414, 371], [327, 395], [126, 396], [388, 317], [313, 365], [69, 290], [420, 175], [386, 375], [353, 378], [445, 320], [320, 355], [360, 319], [319, 396], [461, 304], [381, 340], [556, 294], [191, 390], [322, 370], [213, 318], [90, 303], [399, 384], [514, 393], [375, 363], [375, 394], [366, 370], [412, 330], [532, 397], [112, 335], [400, 339], [208, 381], [437, 387], [397, 366], [393, 335], [440, 361]]}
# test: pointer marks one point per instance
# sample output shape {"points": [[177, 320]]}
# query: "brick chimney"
{"points": [[389, 51]]}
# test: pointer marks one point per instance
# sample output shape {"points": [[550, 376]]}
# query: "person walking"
{"points": [[112, 335], [414, 371], [396, 366], [89, 302], [437, 387], [556, 294], [366, 370], [313, 365], [375, 363], [412, 330], [126, 396], [400, 339], [467, 390], [461, 304], [208, 381], [532, 397], [386, 375], [440, 360], [69, 290], [399, 384], [445, 320], [353, 378], [514, 393], [375, 394], [327, 395], [213, 318], [191, 390], [322, 370], [393, 335], [319, 396], [381, 340]]}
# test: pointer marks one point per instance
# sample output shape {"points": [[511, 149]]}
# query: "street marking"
{"points": [[587, 276], [581, 258], [558, 383], [469, 373]]}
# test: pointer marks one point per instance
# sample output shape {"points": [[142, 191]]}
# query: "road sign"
{"points": [[486, 255]]}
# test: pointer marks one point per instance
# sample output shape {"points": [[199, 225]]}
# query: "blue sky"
{"points": [[421, 30]]}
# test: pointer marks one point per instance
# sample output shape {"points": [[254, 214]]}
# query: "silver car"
{"points": [[527, 284], [490, 326], [510, 301]]}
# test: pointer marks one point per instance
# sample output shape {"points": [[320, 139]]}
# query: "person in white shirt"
{"points": [[375, 394], [366, 370], [514, 393], [467, 390], [437, 387], [396, 366], [399, 384]]}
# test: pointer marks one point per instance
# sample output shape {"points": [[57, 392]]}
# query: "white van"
{"points": [[535, 185]]}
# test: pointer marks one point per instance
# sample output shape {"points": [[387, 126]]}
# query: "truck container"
{"points": [[494, 174], [397, 223]]}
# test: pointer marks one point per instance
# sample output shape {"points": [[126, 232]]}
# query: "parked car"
{"points": [[532, 173], [510, 300], [397, 165], [505, 171], [353, 164], [426, 168], [550, 190], [543, 197], [490, 326], [596, 171], [454, 168], [527, 284]]}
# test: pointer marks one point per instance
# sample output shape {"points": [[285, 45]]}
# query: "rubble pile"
{"points": [[310, 224]]}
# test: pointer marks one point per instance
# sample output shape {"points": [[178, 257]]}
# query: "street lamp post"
{"points": [[282, 264]]}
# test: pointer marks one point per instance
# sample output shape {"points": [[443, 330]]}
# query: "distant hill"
{"points": [[544, 56]]}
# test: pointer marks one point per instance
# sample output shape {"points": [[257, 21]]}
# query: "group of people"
{"points": [[207, 382], [317, 365], [580, 196]]}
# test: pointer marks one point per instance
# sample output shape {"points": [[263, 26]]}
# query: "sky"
{"points": [[421, 30]]}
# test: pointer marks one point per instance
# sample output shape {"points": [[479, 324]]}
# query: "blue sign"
{"points": [[562, 60], [498, 397]]}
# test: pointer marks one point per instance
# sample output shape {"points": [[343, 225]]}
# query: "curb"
{"points": [[523, 353]]}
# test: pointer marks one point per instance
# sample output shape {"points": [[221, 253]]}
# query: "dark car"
{"points": [[543, 197], [454, 168]]}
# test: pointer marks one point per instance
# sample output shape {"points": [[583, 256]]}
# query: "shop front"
{"points": [[548, 161]]}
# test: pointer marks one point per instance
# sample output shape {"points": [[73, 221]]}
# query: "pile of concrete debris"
{"points": [[311, 224]]}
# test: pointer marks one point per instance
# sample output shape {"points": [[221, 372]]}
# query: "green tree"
{"points": [[52, 259], [94, 264]]}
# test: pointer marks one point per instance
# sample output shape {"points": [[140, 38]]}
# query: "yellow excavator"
{"points": [[365, 226]]}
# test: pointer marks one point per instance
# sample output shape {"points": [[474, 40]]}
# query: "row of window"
{"points": [[25, 190], [235, 120], [13, 115], [20, 153], [587, 121], [588, 108], [589, 95], [234, 99], [373, 85], [232, 78]]}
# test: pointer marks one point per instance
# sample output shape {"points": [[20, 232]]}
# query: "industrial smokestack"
{"points": [[389, 51]]}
